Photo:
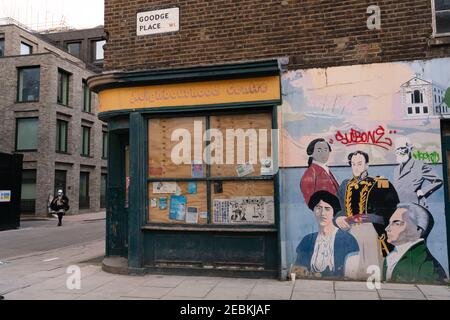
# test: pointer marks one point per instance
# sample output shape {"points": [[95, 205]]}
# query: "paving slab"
{"points": [[351, 286], [163, 281], [229, 293], [357, 295], [42, 295], [148, 292], [234, 282], [135, 298], [314, 286], [170, 297], [398, 286], [270, 292], [435, 290], [401, 294], [312, 295], [438, 297], [189, 291]]}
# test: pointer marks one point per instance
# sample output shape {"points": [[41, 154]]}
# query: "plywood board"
{"points": [[250, 124], [160, 146], [198, 200], [233, 189]]}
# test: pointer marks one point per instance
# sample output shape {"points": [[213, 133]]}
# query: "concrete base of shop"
{"points": [[115, 265]]}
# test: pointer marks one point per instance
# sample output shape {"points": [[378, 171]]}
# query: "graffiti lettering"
{"points": [[431, 157], [375, 137]]}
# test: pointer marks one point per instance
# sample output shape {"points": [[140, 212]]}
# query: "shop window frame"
{"points": [[209, 112]]}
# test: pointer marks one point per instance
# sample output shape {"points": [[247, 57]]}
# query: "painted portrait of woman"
{"points": [[325, 253], [318, 176]]}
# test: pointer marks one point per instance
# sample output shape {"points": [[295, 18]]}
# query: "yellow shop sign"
{"points": [[190, 94]]}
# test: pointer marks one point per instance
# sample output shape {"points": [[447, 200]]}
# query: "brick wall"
{"points": [[311, 33]]}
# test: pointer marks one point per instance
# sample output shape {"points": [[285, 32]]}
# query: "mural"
{"points": [[318, 176], [326, 252], [411, 261], [362, 173], [367, 202]]}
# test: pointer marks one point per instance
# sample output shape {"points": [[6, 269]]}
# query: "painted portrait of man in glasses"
{"points": [[414, 180]]}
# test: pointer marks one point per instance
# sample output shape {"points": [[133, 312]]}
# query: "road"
{"points": [[37, 236]]}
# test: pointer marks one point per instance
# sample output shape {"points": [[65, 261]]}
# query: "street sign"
{"points": [[158, 21]]}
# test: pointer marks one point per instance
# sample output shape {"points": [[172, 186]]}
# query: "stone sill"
{"points": [[439, 41]]}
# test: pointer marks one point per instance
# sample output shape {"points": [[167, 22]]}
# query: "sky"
{"points": [[45, 14]]}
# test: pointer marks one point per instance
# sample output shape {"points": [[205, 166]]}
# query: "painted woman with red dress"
{"points": [[318, 176]]}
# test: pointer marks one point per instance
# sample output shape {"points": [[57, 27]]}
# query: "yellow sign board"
{"points": [[191, 94]]}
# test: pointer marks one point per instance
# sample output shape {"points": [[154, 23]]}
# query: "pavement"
{"points": [[52, 275], [68, 217], [37, 236]]}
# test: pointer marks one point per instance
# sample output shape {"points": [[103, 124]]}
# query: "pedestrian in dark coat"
{"points": [[60, 204]]}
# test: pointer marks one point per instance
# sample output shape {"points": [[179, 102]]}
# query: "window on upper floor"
{"points": [[25, 49], [86, 97], [28, 84], [61, 135], [441, 19], [105, 145], [98, 53], [63, 87], [74, 48], [2, 47], [26, 134], [85, 141]]}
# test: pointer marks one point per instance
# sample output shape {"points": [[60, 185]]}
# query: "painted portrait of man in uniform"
{"points": [[367, 204]]}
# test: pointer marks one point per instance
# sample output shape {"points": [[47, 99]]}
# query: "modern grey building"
{"points": [[48, 114], [86, 44]]}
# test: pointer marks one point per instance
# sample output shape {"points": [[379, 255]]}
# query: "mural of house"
{"points": [[423, 99]]}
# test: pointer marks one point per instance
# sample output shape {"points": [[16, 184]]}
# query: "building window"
{"points": [[2, 47], [84, 190], [441, 17], [25, 49], [26, 134], [425, 110], [438, 109], [86, 140], [417, 110], [60, 180], [410, 110], [103, 191], [63, 87], [61, 135], [105, 145], [74, 48], [86, 97], [28, 84], [98, 50], [28, 195], [417, 97]]}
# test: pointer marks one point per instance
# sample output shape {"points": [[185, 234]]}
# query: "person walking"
{"points": [[60, 205]]}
